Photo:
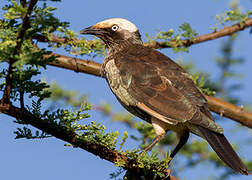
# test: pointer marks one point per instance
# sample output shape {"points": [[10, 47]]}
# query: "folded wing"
{"points": [[163, 89]]}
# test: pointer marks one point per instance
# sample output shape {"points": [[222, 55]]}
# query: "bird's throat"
{"points": [[117, 46]]}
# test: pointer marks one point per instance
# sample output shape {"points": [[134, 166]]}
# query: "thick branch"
{"points": [[216, 105], [229, 110], [61, 133], [226, 31], [71, 137], [75, 64]]}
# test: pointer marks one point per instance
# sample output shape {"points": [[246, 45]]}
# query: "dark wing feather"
{"points": [[161, 87]]}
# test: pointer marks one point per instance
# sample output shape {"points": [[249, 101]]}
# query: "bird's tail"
{"points": [[224, 150]]}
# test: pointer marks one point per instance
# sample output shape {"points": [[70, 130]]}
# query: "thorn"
{"points": [[221, 113], [76, 64], [242, 107]]}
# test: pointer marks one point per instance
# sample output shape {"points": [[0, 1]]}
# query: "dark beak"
{"points": [[93, 31]]}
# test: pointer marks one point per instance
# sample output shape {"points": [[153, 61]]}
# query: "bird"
{"points": [[154, 88]]}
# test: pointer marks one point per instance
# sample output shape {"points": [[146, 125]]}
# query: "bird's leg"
{"points": [[183, 139], [155, 141], [159, 129]]}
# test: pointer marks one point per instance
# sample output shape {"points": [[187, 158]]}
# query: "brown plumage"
{"points": [[156, 89]]}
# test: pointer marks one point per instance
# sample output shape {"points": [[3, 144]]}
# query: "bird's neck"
{"points": [[121, 45]]}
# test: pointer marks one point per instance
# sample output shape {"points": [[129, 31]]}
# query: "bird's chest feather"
{"points": [[117, 83]]}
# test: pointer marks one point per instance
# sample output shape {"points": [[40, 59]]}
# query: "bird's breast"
{"points": [[115, 81]]}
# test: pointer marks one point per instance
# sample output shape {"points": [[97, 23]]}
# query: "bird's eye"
{"points": [[114, 27]]}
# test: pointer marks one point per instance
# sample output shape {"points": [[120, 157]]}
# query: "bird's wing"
{"points": [[153, 90], [161, 87]]}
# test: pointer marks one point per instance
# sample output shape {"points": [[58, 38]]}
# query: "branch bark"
{"points": [[231, 111], [226, 31], [216, 105], [76, 64]]}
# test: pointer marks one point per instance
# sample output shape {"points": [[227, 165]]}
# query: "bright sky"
{"points": [[49, 159]]}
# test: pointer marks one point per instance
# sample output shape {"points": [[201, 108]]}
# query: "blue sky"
{"points": [[49, 159]]}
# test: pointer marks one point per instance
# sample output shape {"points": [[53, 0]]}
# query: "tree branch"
{"points": [[23, 3], [25, 25], [231, 111], [216, 105], [226, 31], [20, 37], [71, 137], [76, 64]]}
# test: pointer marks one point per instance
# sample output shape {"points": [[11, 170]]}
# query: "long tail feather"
{"points": [[224, 150]]}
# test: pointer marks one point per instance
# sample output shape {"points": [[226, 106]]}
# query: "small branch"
{"points": [[8, 85], [216, 105], [25, 25], [20, 37], [226, 31], [53, 38], [23, 3], [71, 137], [21, 99]]}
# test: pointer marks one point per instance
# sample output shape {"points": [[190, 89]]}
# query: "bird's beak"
{"points": [[93, 31]]}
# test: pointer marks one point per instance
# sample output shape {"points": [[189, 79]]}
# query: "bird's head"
{"points": [[115, 31]]}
